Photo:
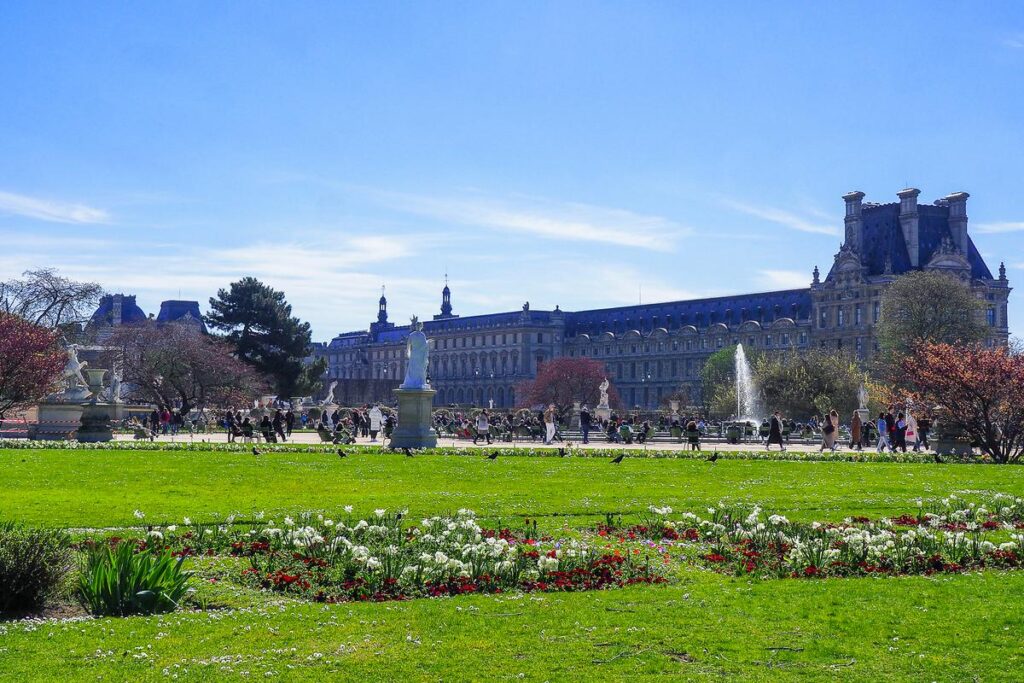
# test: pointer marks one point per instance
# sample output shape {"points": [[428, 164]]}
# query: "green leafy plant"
{"points": [[34, 564], [120, 581]]}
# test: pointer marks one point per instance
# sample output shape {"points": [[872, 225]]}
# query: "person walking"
{"points": [[924, 425], [278, 425], [289, 421], [376, 418], [828, 432], [775, 432], [883, 433], [229, 424], [901, 434], [483, 427], [912, 434], [855, 430], [549, 425], [585, 423]]}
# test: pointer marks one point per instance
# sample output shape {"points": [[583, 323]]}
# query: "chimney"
{"points": [[117, 308], [908, 221], [958, 219], [854, 225]]}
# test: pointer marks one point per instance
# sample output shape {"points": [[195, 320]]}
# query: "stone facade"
{"points": [[884, 241], [655, 350]]}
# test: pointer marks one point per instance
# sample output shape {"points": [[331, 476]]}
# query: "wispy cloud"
{"points": [[329, 286], [543, 218], [50, 210], [786, 218], [783, 279], [1015, 41], [999, 226]]}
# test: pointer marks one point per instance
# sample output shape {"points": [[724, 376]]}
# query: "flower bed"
{"points": [[379, 558], [950, 535]]}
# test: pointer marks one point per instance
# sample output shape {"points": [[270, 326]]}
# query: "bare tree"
{"points": [[169, 364], [44, 298]]}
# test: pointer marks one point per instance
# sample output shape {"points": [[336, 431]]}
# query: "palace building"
{"points": [[654, 350]]}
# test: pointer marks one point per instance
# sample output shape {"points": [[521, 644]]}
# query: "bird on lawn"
{"points": [[937, 458], [493, 456], [342, 454], [561, 452], [407, 452], [713, 457], [617, 459], [256, 451]]}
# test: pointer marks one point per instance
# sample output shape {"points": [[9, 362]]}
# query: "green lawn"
{"points": [[103, 488], [700, 626]]}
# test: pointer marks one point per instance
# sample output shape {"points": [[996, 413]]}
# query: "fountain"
{"points": [[61, 411], [747, 403], [96, 413]]}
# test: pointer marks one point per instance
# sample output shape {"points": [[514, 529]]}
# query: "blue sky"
{"points": [[579, 154]]}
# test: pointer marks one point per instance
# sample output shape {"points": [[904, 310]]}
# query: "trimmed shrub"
{"points": [[34, 564], [119, 581]]}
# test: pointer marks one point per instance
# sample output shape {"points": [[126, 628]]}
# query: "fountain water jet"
{"points": [[747, 403]]}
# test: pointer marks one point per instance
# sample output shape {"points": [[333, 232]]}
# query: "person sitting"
{"points": [[246, 430], [645, 429], [625, 433], [613, 433], [267, 430], [693, 435]]}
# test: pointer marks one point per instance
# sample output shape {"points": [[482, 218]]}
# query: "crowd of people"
{"points": [[897, 428]]}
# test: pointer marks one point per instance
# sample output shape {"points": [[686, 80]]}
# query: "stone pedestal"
{"points": [[96, 415], [603, 412], [96, 423], [57, 422], [415, 424]]}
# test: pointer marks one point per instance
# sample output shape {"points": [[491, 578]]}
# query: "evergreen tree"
{"points": [[258, 322]]}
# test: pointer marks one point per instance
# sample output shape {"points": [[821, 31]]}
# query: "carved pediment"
{"points": [[848, 265], [948, 257]]}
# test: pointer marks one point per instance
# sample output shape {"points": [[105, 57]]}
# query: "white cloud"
{"points": [[786, 218], [1015, 42], [784, 279], [329, 285], [544, 218], [999, 227], [50, 210]]}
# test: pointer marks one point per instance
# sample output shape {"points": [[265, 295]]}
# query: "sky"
{"points": [[580, 154]]}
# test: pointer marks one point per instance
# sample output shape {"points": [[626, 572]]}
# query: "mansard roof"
{"points": [[884, 242], [104, 314], [734, 309], [184, 311]]}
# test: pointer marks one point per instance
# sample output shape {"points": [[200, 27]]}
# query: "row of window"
{"points": [[768, 341], [842, 315], [487, 340]]}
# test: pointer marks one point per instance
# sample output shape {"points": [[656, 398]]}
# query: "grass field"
{"points": [[87, 488], [700, 626]]}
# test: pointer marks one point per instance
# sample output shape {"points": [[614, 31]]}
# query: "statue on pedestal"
{"points": [[416, 350], [603, 411], [415, 397]]}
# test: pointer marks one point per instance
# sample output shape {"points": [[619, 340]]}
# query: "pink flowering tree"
{"points": [[31, 361], [981, 390]]}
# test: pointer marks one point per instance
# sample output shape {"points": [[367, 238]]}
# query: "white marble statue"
{"points": [[115, 388], [416, 351], [862, 397], [603, 387], [329, 399], [73, 376]]}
